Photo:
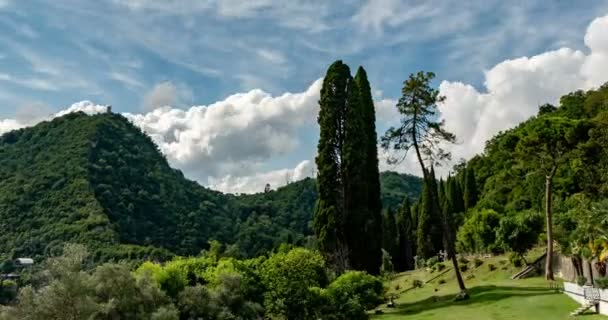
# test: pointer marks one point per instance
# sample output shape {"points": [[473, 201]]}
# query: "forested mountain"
{"points": [[99, 180]]}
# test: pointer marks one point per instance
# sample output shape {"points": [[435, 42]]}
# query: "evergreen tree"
{"points": [[329, 209], [470, 190], [365, 237], [405, 254], [455, 195], [419, 130], [427, 244], [389, 233], [348, 220]]}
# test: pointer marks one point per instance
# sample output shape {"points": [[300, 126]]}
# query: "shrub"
{"points": [[463, 260], [491, 267], [470, 276], [463, 267], [439, 266], [581, 280], [420, 263], [477, 262], [602, 282], [441, 281], [516, 260], [417, 283], [432, 261]]}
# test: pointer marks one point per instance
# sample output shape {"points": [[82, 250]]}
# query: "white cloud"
{"points": [[230, 137], [256, 183], [166, 94], [515, 88]]}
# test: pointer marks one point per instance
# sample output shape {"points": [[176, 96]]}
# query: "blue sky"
{"points": [[141, 54]]}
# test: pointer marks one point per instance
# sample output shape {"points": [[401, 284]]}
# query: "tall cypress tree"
{"points": [[329, 209], [389, 233], [367, 234], [348, 221], [425, 234], [470, 189], [405, 254]]}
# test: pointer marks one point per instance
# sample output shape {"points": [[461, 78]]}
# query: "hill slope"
{"points": [[101, 181]]}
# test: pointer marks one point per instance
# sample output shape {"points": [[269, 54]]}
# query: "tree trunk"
{"points": [[590, 272], [549, 216]]}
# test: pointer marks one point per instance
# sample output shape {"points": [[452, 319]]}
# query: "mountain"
{"points": [[101, 181]]}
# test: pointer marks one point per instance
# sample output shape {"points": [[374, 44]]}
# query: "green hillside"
{"points": [[99, 180]]}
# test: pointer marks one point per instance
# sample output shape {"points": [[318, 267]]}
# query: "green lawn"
{"points": [[494, 296]]}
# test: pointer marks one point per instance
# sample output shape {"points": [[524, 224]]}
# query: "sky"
{"points": [[229, 89]]}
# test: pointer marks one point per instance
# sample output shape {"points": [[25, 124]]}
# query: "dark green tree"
{"points": [[424, 240], [421, 131], [389, 233], [364, 238], [348, 220], [470, 189], [329, 210], [404, 259]]}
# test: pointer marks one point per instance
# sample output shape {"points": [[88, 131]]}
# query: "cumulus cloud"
{"points": [[232, 136], [515, 88], [257, 182], [165, 94]]}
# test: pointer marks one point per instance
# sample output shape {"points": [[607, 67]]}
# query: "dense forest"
{"points": [[99, 180]]}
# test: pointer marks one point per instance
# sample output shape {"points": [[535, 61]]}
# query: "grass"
{"points": [[493, 296]]}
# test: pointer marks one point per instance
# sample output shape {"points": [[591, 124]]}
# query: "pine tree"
{"points": [[329, 209], [419, 130], [405, 254], [470, 189]]}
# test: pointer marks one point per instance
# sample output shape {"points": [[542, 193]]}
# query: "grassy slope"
{"points": [[494, 296]]}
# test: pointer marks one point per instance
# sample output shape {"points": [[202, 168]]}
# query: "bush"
{"points": [[441, 281], [491, 267], [581, 280], [477, 262], [432, 261], [417, 283], [463, 267], [470, 276], [420, 263], [516, 260], [463, 260], [439, 266], [356, 285], [602, 282]]}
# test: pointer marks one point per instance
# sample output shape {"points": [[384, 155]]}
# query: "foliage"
{"points": [[519, 232], [287, 278], [100, 181], [347, 214], [581, 280], [477, 262], [417, 283], [601, 282], [491, 267], [477, 234], [354, 292]]}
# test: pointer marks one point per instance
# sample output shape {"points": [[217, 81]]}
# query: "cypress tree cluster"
{"points": [[347, 219]]}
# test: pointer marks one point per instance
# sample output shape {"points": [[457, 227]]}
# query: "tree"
{"points": [[368, 233], [470, 189], [288, 277], [389, 233], [405, 257], [546, 144], [426, 231], [329, 210], [421, 131], [347, 216], [519, 232], [267, 188]]}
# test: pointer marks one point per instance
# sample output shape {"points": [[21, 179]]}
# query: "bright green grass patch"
{"points": [[493, 296]]}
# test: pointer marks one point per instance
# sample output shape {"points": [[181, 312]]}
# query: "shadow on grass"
{"points": [[478, 295]]}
